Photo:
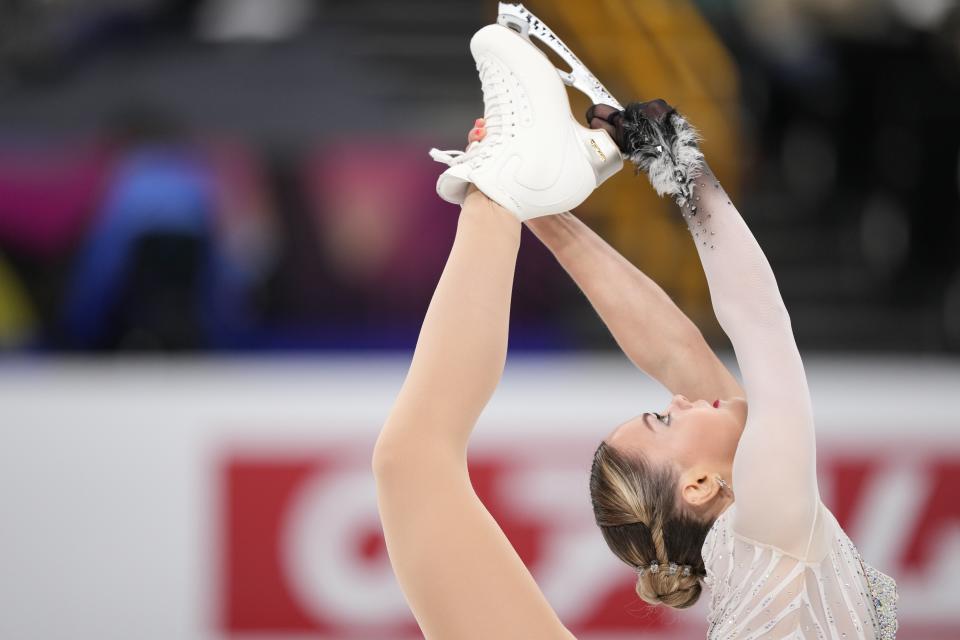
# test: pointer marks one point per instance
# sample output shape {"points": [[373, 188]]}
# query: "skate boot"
{"points": [[535, 159]]}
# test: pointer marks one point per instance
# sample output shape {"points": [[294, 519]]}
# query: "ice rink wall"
{"points": [[234, 498]]}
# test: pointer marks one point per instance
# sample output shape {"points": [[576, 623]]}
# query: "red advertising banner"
{"points": [[303, 551]]}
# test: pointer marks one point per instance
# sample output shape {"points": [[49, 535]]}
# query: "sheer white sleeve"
{"points": [[774, 475]]}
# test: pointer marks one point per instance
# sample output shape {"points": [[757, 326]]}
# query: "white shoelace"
{"points": [[493, 91]]}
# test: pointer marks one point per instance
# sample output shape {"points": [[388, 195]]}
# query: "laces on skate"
{"points": [[495, 105], [536, 159]]}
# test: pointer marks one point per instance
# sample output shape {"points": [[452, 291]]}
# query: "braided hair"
{"points": [[639, 511]]}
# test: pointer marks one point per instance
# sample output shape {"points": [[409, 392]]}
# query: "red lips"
{"points": [[716, 404]]}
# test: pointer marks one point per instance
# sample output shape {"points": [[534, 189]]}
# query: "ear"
{"points": [[697, 488]]}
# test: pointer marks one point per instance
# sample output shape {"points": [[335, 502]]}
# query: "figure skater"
{"points": [[697, 493]]}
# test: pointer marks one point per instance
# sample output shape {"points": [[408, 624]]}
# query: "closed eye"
{"points": [[664, 419]]}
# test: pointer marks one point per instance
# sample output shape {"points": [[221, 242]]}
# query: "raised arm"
{"points": [[646, 324], [774, 472], [650, 329], [774, 475]]}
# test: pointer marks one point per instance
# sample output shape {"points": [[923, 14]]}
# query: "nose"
{"points": [[681, 401]]}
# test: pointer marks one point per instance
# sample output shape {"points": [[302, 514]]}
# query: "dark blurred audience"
{"points": [[156, 235]]}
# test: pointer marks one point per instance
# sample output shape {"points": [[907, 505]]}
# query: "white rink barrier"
{"points": [[221, 499]]}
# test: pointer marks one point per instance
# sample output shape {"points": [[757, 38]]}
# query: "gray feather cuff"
{"points": [[665, 148]]}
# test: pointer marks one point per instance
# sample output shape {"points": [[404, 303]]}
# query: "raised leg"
{"points": [[462, 348], [458, 571]]}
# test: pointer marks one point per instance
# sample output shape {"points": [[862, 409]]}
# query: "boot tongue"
{"points": [[452, 183]]}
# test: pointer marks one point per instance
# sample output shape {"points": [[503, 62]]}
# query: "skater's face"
{"points": [[688, 433]]}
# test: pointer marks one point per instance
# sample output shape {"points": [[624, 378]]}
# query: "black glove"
{"points": [[610, 119], [658, 140]]}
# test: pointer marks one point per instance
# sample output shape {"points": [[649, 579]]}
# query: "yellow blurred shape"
{"points": [[16, 316], [642, 50]]}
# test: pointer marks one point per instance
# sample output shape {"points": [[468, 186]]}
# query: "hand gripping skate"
{"points": [[536, 159]]}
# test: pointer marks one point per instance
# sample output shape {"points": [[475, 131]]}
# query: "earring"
{"points": [[723, 483]]}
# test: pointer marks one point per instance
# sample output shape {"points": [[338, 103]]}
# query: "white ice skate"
{"points": [[536, 158]]}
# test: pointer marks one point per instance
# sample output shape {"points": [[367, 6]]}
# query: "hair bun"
{"points": [[675, 591]]}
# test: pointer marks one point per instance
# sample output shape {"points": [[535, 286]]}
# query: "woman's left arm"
{"points": [[774, 470]]}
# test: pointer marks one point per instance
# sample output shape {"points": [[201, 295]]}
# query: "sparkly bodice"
{"points": [[759, 591]]}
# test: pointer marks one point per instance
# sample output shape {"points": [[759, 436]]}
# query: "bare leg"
{"points": [[459, 573], [462, 348]]}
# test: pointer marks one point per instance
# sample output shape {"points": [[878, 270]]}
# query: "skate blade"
{"points": [[518, 18]]}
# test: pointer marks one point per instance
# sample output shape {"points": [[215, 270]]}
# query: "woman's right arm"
{"points": [[647, 325], [652, 331]]}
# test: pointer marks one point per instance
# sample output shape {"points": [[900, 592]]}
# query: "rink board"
{"points": [[222, 499]]}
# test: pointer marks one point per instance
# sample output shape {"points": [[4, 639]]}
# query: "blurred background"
{"points": [[219, 234]]}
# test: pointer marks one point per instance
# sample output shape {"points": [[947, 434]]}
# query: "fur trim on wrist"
{"points": [[666, 151]]}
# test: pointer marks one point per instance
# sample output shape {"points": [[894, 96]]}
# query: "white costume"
{"points": [[778, 563]]}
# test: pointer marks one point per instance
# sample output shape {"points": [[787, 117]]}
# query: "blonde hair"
{"points": [[638, 509]]}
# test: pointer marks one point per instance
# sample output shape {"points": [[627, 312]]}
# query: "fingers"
{"points": [[475, 135], [603, 116], [601, 111], [478, 132], [597, 123]]}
